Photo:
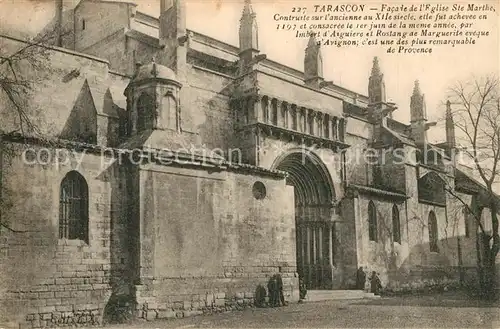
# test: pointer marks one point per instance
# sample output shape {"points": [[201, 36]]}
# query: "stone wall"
{"points": [[112, 17], [89, 90], [411, 263], [205, 108], [208, 245], [48, 281]]}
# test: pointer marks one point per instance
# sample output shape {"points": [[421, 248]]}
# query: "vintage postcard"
{"points": [[249, 163]]}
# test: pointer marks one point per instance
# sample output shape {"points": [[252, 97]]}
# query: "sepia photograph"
{"points": [[249, 164]]}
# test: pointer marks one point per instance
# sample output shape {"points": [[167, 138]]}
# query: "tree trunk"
{"points": [[487, 268]]}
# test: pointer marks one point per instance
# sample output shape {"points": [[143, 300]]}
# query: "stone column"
{"points": [[331, 253], [256, 109], [342, 129], [296, 119], [268, 111], [314, 246], [311, 123], [303, 121], [339, 261], [308, 244], [133, 115]]}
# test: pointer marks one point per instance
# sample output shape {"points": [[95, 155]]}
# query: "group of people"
{"points": [[274, 292], [275, 289], [375, 283], [276, 297]]}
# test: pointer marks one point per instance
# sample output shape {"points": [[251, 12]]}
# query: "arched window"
{"points": [[274, 112], [312, 118], [396, 225], [265, 109], [73, 207], [145, 113], [284, 114], [326, 125], [372, 222], [433, 232]]}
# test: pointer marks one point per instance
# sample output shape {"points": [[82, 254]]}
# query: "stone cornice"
{"points": [[353, 190], [303, 138], [162, 157]]}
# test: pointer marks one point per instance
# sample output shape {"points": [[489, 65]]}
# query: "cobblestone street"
{"points": [[396, 312]]}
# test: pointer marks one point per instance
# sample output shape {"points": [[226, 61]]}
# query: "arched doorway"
{"points": [[315, 232]]}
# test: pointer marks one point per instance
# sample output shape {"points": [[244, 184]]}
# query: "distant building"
{"points": [[184, 171]]}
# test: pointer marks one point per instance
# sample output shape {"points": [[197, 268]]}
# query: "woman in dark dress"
{"points": [[360, 279], [272, 291], [375, 283]]}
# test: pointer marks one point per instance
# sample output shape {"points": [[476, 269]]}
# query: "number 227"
{"points": [[298, 9]]}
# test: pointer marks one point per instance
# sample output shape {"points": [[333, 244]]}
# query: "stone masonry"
{"points": [[204, 168]]}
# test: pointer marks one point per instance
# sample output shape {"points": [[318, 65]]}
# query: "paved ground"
{"points": [[395, 312]]}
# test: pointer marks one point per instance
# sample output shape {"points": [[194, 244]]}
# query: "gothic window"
{"points": [[284, 114], [169, 110], [73, 208], [396, 225], [145, 113], [303, 120], [320, 126], [265, 109], [372, 221], [433, 232], [311, 124]]}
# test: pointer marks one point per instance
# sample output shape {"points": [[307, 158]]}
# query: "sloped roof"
{"points": [[103, 101], [398, 136]]}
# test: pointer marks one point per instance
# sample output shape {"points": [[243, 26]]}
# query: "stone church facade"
{"points": [[183, 171]]}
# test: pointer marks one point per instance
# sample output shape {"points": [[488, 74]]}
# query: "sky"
{"points": [[348, 67]]}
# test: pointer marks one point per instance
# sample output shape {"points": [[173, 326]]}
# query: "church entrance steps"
{"points": [[321, 295]]}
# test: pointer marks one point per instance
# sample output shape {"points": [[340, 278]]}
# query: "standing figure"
{"points": [[376, 284], [279, 290], [302, 288], [271, 288], [360, 278], [260, 296]]}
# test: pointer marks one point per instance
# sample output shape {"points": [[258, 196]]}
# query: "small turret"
{"points": [[418, 110], [313, 63], [376, 85], [450, 128], [418, 114], [379, 109], [249, 38], [153, 99]]}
